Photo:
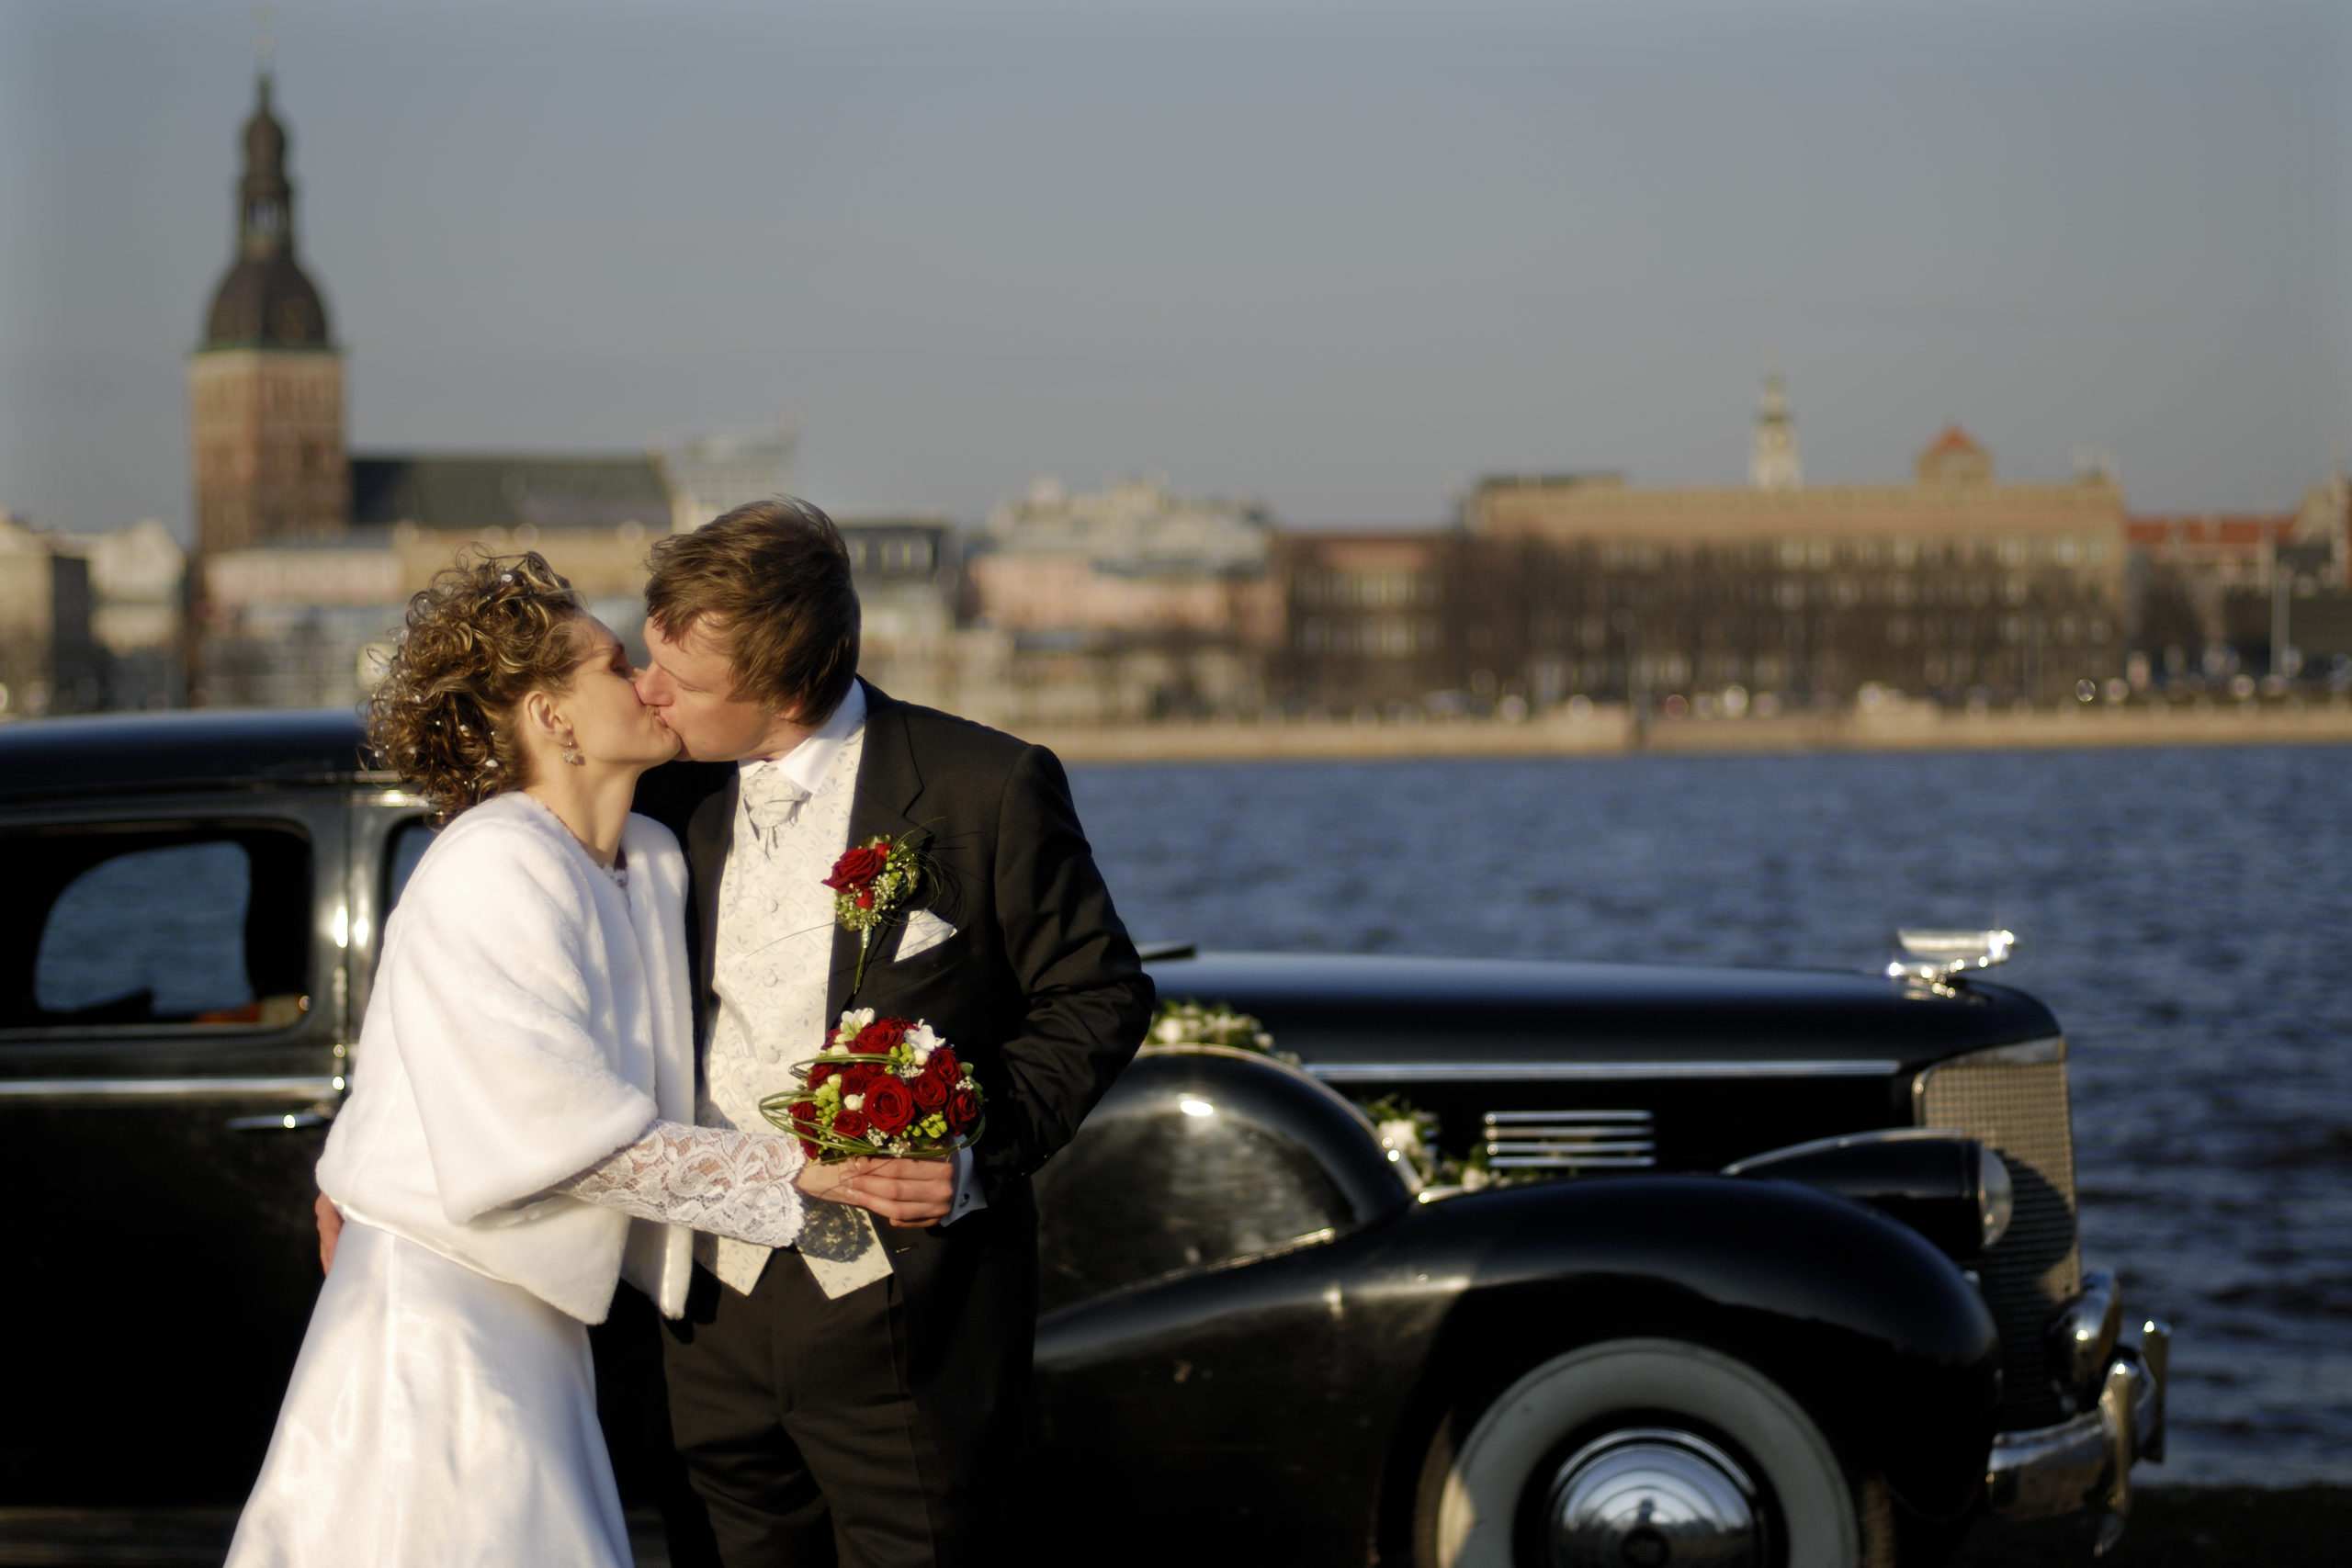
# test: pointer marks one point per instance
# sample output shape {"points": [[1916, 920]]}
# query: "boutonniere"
{"points": [[873, 885]]}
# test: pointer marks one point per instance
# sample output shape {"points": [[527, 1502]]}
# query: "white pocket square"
{"points": [[925, 932]]}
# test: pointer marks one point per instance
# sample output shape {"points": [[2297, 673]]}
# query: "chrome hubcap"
{"points": [[1650, 1496]]}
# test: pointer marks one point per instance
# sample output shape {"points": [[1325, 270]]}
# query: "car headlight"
{"points": [[1997, 1196]]}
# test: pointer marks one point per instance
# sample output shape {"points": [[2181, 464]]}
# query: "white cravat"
{"points": [[771, 797]]}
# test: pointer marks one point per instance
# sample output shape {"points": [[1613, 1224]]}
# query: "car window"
{"points": [[1140, 1195], [406, 847], [180, 927]]}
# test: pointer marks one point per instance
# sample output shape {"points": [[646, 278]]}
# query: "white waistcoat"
{"points": [[771, 966]]}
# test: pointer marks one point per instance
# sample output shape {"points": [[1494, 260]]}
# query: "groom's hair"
{"points": [[770, 581]]}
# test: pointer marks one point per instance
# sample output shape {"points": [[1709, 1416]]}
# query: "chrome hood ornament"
{"points": [[1937, 959]]}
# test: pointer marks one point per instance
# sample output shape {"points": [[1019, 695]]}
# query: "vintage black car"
{"points": [[1768, 1268]]}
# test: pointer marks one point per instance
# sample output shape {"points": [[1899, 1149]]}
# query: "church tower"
{"points": [[265, 392], [1772, 455]]}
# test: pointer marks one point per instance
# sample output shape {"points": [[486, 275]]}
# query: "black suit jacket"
{"points": [[1039, 990]]}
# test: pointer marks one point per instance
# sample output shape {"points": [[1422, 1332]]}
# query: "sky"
{"points": [[1345, 258]]}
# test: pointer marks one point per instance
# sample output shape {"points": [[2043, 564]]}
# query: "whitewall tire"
{"points": [[1476, 1485]]}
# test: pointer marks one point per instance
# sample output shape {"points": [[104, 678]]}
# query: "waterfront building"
{"points": [[1957, 587], [1376, 620], [307, 621], [2223, 594], [49, 662], [1127, 603], [908, 568], [138, 597], [715, 475]]}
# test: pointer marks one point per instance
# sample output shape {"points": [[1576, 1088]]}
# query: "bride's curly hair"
{"points": [[489, 630]]}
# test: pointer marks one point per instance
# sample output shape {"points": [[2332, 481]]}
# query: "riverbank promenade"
{"points": [[1604, 730]]}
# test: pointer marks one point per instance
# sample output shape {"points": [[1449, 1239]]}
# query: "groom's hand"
{"points": [[910, 1194]]}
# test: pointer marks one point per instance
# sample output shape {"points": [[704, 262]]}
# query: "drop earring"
{"points": [[571, 753]]}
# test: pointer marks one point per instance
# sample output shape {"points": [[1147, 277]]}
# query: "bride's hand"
{"points": [[826, 1180], [910, 1194]]}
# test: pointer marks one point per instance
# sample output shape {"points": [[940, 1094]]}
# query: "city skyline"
{"points": [[1267, 254]]}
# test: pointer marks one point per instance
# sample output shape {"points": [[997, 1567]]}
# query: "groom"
{"points": [[856, 1398]]}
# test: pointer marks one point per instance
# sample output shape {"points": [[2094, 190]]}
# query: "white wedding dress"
{"points": [[517, 1139]]}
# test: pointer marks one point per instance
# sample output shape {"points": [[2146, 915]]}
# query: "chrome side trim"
{"points": [[1587, 1072], [304, 1088], [1569, 1140]]}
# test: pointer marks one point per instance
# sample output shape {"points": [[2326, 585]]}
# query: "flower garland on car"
{"points": [[1407, 1132], [1191, 1023], [884, 1087], [872, 883]]}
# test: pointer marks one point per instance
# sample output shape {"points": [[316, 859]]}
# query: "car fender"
{"points": [[1865, 1323]]}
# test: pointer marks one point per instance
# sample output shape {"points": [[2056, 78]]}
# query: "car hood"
{"points": [[1368, 1010]]}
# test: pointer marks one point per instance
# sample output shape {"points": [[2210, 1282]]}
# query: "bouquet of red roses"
{"points": [[886, 1086]]}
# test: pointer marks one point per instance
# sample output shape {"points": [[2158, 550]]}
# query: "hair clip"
{"points": [[505, 577]]}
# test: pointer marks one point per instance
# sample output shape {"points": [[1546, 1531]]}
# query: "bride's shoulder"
{"points": [[509, 843], [645, 838]]}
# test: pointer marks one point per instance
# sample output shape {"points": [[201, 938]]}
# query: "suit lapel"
{"points": [[888, 784], [710, 834]]}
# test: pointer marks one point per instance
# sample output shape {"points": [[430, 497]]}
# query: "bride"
{"points": [[519, 1134]]}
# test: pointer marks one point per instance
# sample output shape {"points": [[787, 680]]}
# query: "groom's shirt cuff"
{"points": [[968, 1197]]}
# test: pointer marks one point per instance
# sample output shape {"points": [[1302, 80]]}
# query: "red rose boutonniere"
{"points": [[872, 885]]}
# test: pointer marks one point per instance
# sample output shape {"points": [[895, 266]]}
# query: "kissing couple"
{"points": [[559, 1083]]}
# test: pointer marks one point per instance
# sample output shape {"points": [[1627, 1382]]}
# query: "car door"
{"points": [[173, 1023]]}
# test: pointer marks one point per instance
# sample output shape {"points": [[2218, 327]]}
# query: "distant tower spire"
{"points": [[1772, 453], [266, 382]]}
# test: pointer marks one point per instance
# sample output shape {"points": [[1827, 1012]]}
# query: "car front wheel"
{"points": [[1636, 1452]]}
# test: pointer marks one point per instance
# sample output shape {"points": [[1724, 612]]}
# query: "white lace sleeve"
{"points": [[706, 1179]]}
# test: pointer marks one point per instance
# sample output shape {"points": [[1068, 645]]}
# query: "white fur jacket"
{"points": [[529, 1018]]}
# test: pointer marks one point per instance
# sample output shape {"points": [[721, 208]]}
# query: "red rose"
{"points": [[889, 1107], [865, 898], [963, 1111], [876, 1038], [858, 868], [943, 1066], [820, 1072], [850, 1123], [808, 1148], [805, 1112], [859, 1079], [930, 1092]]}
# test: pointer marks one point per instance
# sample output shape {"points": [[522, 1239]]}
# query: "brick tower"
{"points": [[266, 390]]}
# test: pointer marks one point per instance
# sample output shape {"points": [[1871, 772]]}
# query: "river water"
{"points": [[2187, 913]]}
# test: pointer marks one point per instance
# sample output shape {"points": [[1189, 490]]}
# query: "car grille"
{"points": [[1569, 1140], [2013, 1097]]}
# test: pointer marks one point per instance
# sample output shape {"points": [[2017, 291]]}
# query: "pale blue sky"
{"points": [[1344, 256]]}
